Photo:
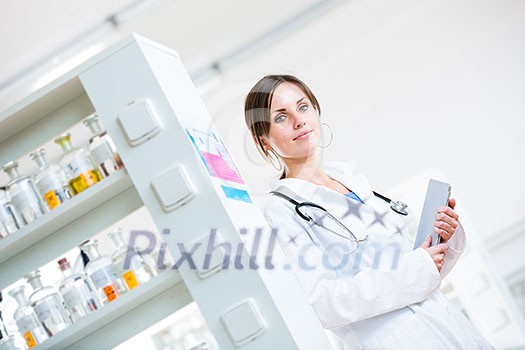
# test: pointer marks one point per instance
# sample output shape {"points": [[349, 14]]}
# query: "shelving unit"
{"points": [[163, 295], [163, 170], [44, 238]]}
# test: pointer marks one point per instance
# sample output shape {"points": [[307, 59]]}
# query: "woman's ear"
{"points": [[264, 143]]}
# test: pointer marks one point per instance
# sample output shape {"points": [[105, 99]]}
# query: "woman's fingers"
{"points": [[446, 222], [437, 252], [426, 243]]}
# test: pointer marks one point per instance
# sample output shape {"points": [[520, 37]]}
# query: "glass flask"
{"points": [[80, 171], [101, 147], [78, 293], [102, 273], [47, 180], [23, 194], [29, 326], [48, 305], [135, 271], [10, 221]]}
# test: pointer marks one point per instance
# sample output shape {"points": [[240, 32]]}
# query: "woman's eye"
{"points": [[279, 118], [303, 108]]}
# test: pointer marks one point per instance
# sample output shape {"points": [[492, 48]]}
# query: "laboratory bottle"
{"points": [[8, 343], [78, 293], [24, 194], [101, 147], [135, 270], [10, 221], [27, 321], [101, 272], [80, 171], [48, 305], [47, 180], [3, 332]]}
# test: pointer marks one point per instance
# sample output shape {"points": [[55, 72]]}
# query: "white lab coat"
{"points": [[383, 296]]}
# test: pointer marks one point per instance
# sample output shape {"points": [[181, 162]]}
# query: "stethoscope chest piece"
{"points": [[399, 207]]}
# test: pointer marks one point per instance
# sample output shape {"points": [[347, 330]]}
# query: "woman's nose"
{"points": [[299, 122]]}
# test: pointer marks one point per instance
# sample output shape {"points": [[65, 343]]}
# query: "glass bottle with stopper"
{"points": [[80, 171], [48, 305], [78, 293], [10, 221], [27, 320], [48, 180], [102, 273], [101, 147], [130, 264], [24, 194]]}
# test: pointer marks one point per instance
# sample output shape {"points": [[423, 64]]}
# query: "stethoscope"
{"points": [[397, 206]]}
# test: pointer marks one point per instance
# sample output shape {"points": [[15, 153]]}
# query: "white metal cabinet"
{"points": [[111, 83]]}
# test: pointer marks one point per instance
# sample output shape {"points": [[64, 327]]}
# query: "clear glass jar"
{"points": [[48, 305], [80, 171], [47, 180], [136, 270], [78, 292], [3, 332], [26, 319], [8, 343], [10, 221], [101, 147], [101, 272], [23, 194]]}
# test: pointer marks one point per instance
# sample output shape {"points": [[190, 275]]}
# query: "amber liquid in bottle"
{"points": [[85, 180], [76, 164]]}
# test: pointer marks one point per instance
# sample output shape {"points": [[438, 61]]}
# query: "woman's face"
{"points": [[294, 123]]}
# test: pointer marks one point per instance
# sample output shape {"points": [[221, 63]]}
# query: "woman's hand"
{"points": [[437, 252], [446, 221]]}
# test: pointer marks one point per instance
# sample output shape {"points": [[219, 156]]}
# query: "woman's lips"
{"points": [[302, 135]]}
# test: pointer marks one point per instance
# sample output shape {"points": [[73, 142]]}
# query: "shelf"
{"points": [[136, 310], [44, 239], [55, 94]]}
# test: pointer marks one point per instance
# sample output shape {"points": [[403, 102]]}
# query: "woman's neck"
{"points": [[311, 170], [308, 169]]}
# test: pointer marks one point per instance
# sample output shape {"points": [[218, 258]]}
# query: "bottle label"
{"points": [[111, 292], [26, 200], [52, 199], [27, 205], [101, 153], [130, 279], [77, 166], [7, 217], [89, 178], [103, 276], [27, 322], [49, 310], [73, 298], [30, 340]]}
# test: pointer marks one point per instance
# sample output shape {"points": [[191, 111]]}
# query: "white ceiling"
{"points": [[54, 31]]}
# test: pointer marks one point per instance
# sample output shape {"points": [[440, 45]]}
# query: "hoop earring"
{"points": [[331, 135], [273, 155]]}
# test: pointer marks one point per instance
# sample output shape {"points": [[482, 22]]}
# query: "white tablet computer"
{"points": [[437, 196]]}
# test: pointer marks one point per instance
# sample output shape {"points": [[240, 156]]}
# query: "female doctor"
{"points": [[352, 257]]}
